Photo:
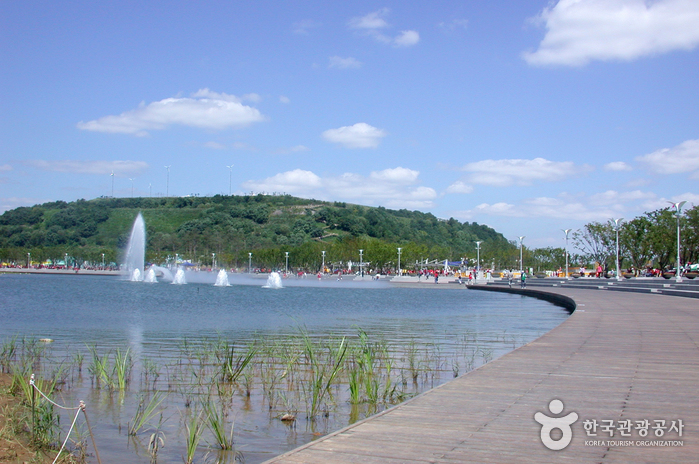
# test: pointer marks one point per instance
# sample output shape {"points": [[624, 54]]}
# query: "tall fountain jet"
{"points": [[136, 250]]}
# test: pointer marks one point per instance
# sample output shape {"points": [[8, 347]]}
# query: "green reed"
{"points": [[145, 411]]}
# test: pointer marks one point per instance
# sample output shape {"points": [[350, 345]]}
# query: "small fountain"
{"points": [[150, 276], [222, 279], [136, 250], [179, 278], [274, 281]]}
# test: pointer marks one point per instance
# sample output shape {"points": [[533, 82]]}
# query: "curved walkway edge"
{"points": [[619, 357]]}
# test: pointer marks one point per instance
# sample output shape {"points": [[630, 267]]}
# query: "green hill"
{"points": [[233, 226]]}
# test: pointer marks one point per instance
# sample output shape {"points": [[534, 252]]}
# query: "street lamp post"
{"points": [[323, 267], [131, 186], [65, 260], [112, 175], [678, 210], [400, 271], [286, 267], [617, 224], [566, 231], [521, 264], [167, 185], [213, 261], [230, 179], [29, 260], [478, 257], [361, 263], [103, 261], [249, 263]]}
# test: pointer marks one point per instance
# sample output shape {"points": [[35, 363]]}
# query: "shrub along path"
{"points": [[620, 356]]}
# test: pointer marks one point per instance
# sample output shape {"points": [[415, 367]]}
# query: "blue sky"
{"points": [[530, 116]]}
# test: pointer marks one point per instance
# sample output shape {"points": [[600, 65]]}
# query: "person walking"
{"points": [[523, 279]]}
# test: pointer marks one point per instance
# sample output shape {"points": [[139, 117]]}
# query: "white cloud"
{"points": [[692, 200], [215, 145], [371, 21], [682, 158], [453, 25], [394, 188], [407, 39], [344, 63], [360, 135], [205, 109], [8, 203], [459, 187], [5, 167], [611, 197], [579, 31], [303, 26], [119, 168], [617, 166], [285, 100], [508, 172]]}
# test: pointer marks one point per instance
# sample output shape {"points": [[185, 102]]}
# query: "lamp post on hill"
{"points": [[361, 263], [230, 179], [286, 266], [323, 265], [249, 263], [521, 264]]}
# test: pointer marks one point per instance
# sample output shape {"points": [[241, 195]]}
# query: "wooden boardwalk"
{"points": [[619, 356]]}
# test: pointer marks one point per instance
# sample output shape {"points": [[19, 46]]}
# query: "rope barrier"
{"points": [[75, 419], [31, 382], [80, 408]]}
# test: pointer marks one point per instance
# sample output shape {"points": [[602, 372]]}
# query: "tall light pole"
{"points": [[150, 190], [103, 261], [230, 179], [65, 260], [521, 264], [400, 271], [29, 260], [286, 267], [566, 231], [323, 267], [167, 185], [478, 256], [249, 263], [131, 186], [213, 261], [678, 210], [617, 224], [112, 175], [361, 263]]}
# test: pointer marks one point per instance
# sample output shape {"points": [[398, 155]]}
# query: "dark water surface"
{"points": [[153, 320]]}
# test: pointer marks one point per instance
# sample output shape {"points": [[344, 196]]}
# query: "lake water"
{"points": [[155, 320]]}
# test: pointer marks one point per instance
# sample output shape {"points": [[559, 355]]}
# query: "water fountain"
{"points": [[179, 279], [222, 279], [150, 276], [136, 250], [274, 281]]}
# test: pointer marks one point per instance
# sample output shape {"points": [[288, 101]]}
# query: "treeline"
{"points": [[646, 241], [233, 226]]}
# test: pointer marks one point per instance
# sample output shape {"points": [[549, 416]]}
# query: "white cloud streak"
{"points": [[344, 63], [204, 109], [617, 166], [580, 31], [372, 24], [521, 172], [360, 135], [395, 187], [119, 168], [680, 159]]}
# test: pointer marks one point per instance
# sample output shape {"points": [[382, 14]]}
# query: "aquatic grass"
{"points": [[145, 411], [232, 366], [8, 354], [194, 427], [322, 372], [123, 363], [217, 423]]}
